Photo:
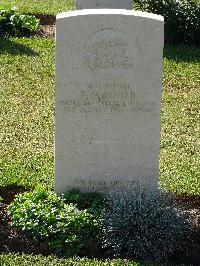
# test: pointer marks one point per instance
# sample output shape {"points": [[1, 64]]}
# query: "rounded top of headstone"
{"points": [[94, 4]]}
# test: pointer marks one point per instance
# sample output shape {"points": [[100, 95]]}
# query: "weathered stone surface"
{"points": [[108, 99], [88, 4]]}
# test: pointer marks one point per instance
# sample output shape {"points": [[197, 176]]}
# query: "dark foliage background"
{"points": [[182, 19]]}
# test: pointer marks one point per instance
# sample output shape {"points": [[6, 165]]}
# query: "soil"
{"points": [[11, 240], [46, 19], [47, 26], [46, 31], [189, 249]]}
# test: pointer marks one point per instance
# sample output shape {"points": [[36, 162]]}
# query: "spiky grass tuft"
{"points": [[144, 227]]}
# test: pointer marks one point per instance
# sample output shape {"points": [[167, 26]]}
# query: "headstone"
{"points": [[108, 99], [88, 4]]}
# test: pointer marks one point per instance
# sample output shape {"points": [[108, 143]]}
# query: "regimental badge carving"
{"points": [[107, 53]]}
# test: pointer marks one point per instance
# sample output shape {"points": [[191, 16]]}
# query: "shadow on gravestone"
{"points": [[14, 48]]}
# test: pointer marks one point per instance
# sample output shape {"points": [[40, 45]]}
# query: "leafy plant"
{"points": [[45, 216], [14, 23], [92, 201], [182, 18], [143, 227]]}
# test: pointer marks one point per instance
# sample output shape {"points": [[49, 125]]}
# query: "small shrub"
{"points": [[92, 201], [143, 228], [45, 216], [12, 23], [182, 18]]}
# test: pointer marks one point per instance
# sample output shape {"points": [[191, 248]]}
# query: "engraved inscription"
{"points": [[91, 184], [112, 106], [106, 98], [107, 53]]}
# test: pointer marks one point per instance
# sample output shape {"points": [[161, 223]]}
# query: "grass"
{"points": [[27, 116], [27, 111], [180, 127], [38, 260], [30, 260], [50, 7]]}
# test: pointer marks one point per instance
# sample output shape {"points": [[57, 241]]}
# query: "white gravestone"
{"points": [[88, 4], [108, 99]]}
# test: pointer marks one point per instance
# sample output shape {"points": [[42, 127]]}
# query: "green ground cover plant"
{"points": [[93, 202], [27, 115], [50, 7], [14, 23], [47, 217]]}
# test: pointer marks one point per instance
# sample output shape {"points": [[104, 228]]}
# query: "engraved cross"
{"points": [[107, 141]]}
